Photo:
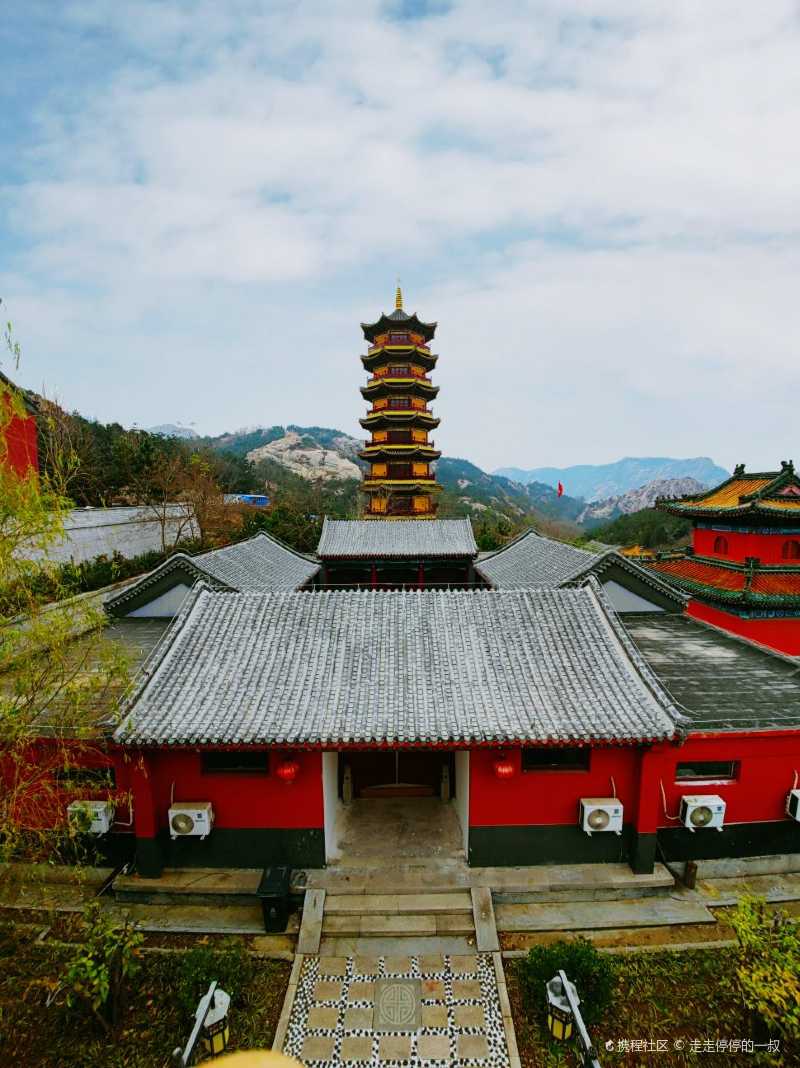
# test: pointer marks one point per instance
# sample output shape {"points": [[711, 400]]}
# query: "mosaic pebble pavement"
{"points": [[462, 1025]]}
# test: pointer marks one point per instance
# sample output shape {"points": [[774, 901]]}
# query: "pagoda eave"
{"points": [[387, 420], [389, 352], [425, 485], [390, 386], [400, 452]]}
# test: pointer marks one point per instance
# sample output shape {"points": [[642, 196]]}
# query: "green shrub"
{"points": [[591, 972], [768, 966], [228, 962]]}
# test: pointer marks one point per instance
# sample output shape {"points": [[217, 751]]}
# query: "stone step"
{"points": [[580, 916], [716, 893], [405, 903], [408, 925], [355, 946], [203, 886]]}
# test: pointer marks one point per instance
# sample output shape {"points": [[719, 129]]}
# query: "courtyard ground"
{"points": [[33, 1034], [674, 996]]}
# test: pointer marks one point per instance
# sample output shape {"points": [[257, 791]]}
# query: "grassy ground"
{"points": [[32, 1034], [677, 996]]}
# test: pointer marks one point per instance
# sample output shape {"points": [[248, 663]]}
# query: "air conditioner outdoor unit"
{"points": [[702, 811], [601, 814], [191, 819], [91, 817], [793, 805]]}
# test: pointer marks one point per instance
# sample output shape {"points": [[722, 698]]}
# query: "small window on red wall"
{"points": [[791, 549], [721, 545], [235, 762], [569, 759], [693, 770]]}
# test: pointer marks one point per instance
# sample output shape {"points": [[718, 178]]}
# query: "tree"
{"points": [[160, 489], [214, 520], [58, 673]]}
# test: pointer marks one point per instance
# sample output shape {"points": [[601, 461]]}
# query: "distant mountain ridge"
{"points": [[174, 430], [637, 500], [597, 482]]}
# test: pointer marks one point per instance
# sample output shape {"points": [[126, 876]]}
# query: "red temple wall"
{"points": [[545, 797], [20, 438], [767, 765], [781, 633], [765, 547], [41, 802], [766, 772], [239, 799]]}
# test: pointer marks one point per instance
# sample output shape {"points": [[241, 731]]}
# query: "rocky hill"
{"points": [[637, 500], [307, 457], [599, 482]]}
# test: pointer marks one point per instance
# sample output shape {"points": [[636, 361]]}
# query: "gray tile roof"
{"points": [[396, 668], [532, 561], [358, 538], [722, 682], [535, 562], [259, 563]]}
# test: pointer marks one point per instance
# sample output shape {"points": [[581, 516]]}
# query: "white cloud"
{"points": [[598, 201]]}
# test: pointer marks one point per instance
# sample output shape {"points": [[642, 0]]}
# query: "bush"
{"points": [[228, 963], [768, 966], [591, 972], [106, 958]]}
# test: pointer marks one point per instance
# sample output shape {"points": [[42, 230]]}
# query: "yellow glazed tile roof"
{"points": [[727, 495]]}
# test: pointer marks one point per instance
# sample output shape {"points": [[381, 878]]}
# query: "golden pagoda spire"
{"points": [[398, 297]]}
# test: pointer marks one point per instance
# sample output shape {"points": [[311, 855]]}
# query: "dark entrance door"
{"points": [[396, 773]]}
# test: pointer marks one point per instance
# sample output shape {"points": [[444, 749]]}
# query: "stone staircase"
{"points": [[356, 923]]}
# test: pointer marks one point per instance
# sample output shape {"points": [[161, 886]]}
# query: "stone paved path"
{"points": [[450, 1005]]}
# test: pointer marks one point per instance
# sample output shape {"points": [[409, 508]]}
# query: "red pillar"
{"points": [[149, 861], [373, 579]]}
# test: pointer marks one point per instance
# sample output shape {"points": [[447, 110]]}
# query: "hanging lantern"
{"points": [[287, 771], [504, 767]]}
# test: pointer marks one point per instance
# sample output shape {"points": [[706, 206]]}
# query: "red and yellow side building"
{"points": [[400, 482], [742, 570]]}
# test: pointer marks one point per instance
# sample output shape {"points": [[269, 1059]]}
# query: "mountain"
{"points": [[308, 457], [172, 430], [596, 482], [323, 454], [637, 500]]}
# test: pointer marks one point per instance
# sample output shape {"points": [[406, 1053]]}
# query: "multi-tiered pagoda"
{"points": [[400, 483], [742, 570]]}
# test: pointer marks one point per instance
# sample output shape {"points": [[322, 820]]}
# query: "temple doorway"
{"points": [[391, 804], [398, 829], [382, 773]]}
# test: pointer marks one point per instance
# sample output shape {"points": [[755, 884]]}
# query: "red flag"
{"points": [[560, 490]]}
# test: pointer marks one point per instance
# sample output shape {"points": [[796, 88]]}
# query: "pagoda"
{"points": [[400, 482], [742, 570]]}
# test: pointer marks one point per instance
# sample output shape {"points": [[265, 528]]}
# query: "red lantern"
{"points": [[504, 768], [287, 771]]}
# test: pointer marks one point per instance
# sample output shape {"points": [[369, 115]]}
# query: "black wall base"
{"points": [[555, 844], [225, 847], [734, 840]]}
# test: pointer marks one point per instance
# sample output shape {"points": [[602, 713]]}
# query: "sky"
{"points": [[598, 201]]}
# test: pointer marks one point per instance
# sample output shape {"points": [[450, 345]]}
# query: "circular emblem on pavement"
{"points": [[397, 1004]]}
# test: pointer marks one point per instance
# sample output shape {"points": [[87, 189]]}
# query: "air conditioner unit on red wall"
{"points": [[599, 814], [700, 812], [793, 805], [191, 819]]}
